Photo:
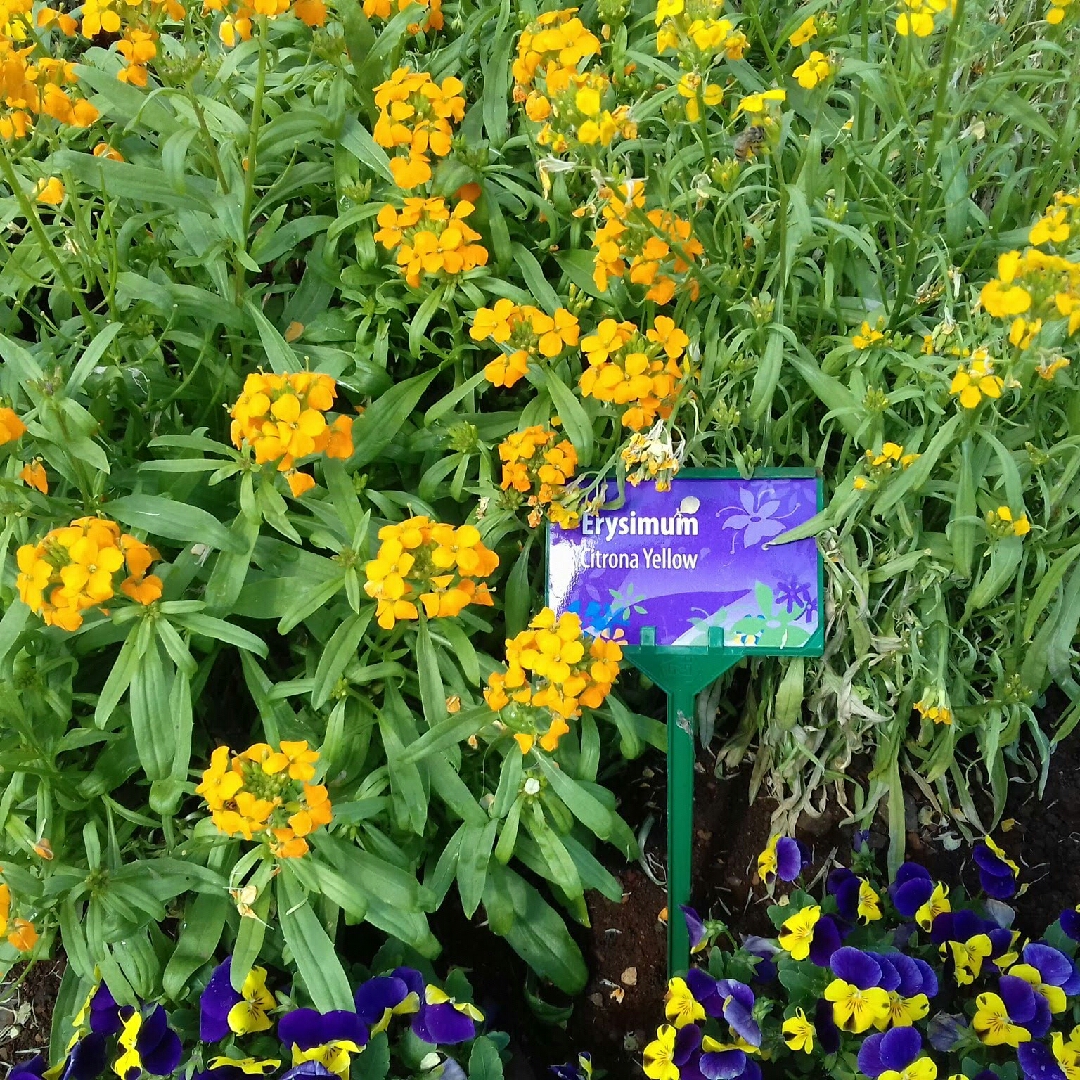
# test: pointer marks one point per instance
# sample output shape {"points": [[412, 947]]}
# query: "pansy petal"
{"points": [[789, 859], [1019, 998], [723, 1064], [165, 1056], [377, 995], [104, 1012], [1070, 923], [738, 990], [343, 1026], [152, 1031], [825, 942], [929, 978], [1000, 887], [742, 1022], [703, 987], [911, 895], [309, 1070], [87, 1059], [694, 926], [301, 1027], [1039, 1024], [687, 1040], [36, 1066], [870, 1056], [910, 975], [825, 1025], [856, 967], [1054, 967], [444, 1025], [412, 979], [1038, 1062], [215, 1002], [890, 977], [911, 871], [899, 1048], [847, 898]]}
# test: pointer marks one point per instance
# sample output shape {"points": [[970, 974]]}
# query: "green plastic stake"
{"points": [[682, 672]]}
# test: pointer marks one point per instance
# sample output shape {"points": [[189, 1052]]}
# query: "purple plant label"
{"points": [[690, 558]]}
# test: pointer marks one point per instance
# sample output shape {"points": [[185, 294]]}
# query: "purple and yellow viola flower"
{"points": [[574, 1070], [99, 1013], [327, 1039], [1015, 1015], [856, 898], [997, 872], [224, 1011], [1041, 1063], [1050, 973], [673, 1055], [858, 998], [380, 999], [227, 1068], [148, 1044], [695, 928], [895, 1055], [440, 1020], [85, 1060], [783, 858], [916, 895], [729, 1060], [724, 999]]}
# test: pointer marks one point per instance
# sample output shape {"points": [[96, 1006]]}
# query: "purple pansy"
{"points": [[440, 1020], [104, 1012], [28, 1070], [1055, 968], [86, 1061], [579, 1070], [1025, 1007], [215, 1003], [378, 999], [856, 967], [1070, 923], [911, 888], [1038, 1062], [307, 1028], [825, 942], [764, 950], [889, 1051], [157, 1045], [791, 857], [726, 999], [695, 927], [825, 1024], [844, 886], [996, 876], [916, 976], [308, 1070]]}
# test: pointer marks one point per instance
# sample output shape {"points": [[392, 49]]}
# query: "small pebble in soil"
{"points": [[629, 977]]}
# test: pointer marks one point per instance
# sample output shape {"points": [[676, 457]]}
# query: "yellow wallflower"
{"points": [[50, 192], [814, 70], [971, 384], [538, 464], [430, 239], [807, 30]]}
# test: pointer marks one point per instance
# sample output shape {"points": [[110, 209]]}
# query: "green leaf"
{"points": [[208, 626], [518, 594], [278, 351], [22, 362], [913, 478], [163, 517], [484, 1061], [575, 420], [375, 430], [11, 626], [585, 807], [358, 141], [1047, 588], [123, 671], [374, 1062], [313, 951], [767, 375], [204, 921], [151, 717], [448, 732], [337, 653], [432, 693], [89, 359], [473, 862]]}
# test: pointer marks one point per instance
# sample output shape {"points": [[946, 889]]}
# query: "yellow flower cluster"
{"points": [[917, 16], [977, 380], [640, 371], [698, 92], [698, 32], [868, 335], [538, 464], [1034, 285], [1060, 221], [556, 39], [648, 247], [383, 9], [552, 666], [240, 16], [934, 705], [282, 418], [75, 568], [1058, 11], [20, 933], [572, 107], [11, 427], [263, 793], [879, 465], [652, 457], [814, 70], [807, 30], [432, 563], [32, 87], [1002, 522], [527, 332], [431, 239], [415, 116]]}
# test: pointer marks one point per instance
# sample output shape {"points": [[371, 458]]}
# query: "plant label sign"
{"points": [[695, 557]]}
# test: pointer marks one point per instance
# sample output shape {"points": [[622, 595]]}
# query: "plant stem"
{"points": [[30, 213], [250, 161]]}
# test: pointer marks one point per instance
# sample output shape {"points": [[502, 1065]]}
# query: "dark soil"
{"points": [[26, 1008]]}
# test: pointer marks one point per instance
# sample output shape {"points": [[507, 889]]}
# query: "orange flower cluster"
{"points": [[536, 463], [383, 9], [649, 247], [263, 793], [430, 239], [11, 427], [30, 87], [415, 115], [570, 106], [435, 564], [238, 22], [552, 666], [556, 39], [75, 568], [22, 935], [527, 332], [282, 418], [641, 371]]}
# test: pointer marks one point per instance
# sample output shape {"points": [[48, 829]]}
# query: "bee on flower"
{"points": [[435, 565], [282, 418], [79, 566], [538, 464], [653, 248], [265, 794], [553, 671], [416, 116], [430, 239], [641, 371], [525, 333]]}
